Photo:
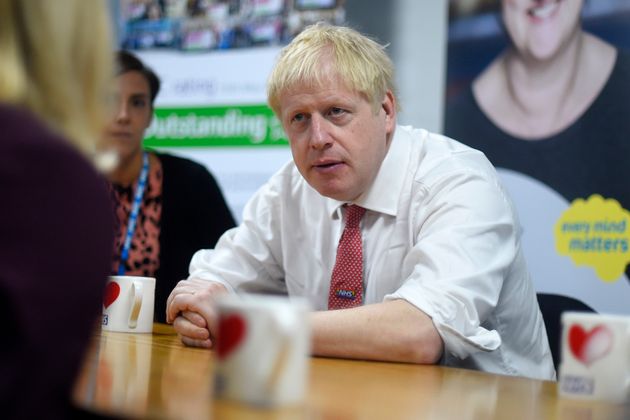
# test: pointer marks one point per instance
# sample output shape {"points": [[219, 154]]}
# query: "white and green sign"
{"points": [[220, 126]]}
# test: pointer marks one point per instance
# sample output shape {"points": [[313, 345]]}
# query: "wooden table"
{"points": [[155, 376]]}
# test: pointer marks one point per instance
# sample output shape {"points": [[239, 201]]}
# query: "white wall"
{"points": [[419, 53]]}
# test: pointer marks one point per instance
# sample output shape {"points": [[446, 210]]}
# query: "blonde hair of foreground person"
{"points": [[56, 60], [360, 62]]}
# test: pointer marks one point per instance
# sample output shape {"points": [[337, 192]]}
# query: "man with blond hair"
{"points": [[402, 240]]}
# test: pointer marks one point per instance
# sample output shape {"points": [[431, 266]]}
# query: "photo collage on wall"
{"points": [[205, 25]]}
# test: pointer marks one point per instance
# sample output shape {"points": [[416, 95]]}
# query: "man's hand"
{"points": [[190, 308]]}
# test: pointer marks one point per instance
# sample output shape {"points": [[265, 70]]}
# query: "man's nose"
{"points": [[320, 135]]}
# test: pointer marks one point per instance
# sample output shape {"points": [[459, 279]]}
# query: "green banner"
{"points": [[249, 125]]}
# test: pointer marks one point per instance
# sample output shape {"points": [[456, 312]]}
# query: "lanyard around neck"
{"points": [[133, 216]]}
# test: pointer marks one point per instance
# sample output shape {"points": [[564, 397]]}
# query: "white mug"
{"points": [[595, 357], [263, 349], [128, 304]]}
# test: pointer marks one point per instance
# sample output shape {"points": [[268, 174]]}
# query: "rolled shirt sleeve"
{"points": [[466, 243]]}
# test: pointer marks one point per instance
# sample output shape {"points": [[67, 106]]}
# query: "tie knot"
{"points": [[354, 214]]}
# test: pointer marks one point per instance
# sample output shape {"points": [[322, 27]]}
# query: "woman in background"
{"points": [[180, 208], [56, 224]]}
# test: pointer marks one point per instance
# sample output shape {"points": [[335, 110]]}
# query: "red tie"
{"points": [[346, 284]]}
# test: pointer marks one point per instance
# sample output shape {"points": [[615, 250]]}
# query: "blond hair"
{"points": [[360, 62], [56, 60]]}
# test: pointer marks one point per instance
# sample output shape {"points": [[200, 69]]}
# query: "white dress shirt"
{"points": [[439, 232]]}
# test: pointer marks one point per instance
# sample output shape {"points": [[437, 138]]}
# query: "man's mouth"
{"points": [[327, 164], [544, 9]]}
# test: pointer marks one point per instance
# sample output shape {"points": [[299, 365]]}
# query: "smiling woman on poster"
{"points": [[552, 106]]}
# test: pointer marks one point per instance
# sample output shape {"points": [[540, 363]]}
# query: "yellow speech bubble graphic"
{"points": [[595, 232]]}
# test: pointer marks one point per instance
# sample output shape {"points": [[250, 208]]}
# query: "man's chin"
{"points": [[339, 194]]}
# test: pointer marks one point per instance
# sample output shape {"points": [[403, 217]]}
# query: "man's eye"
{"points": [[298, 118], [336, 111]]}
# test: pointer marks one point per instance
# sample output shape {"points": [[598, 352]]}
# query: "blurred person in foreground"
{"points": [[180, 207], [402, 240], [56, 224]]}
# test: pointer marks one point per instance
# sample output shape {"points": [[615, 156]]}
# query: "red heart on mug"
{"points": [[231, 332], [112, 290], [589, 346]]}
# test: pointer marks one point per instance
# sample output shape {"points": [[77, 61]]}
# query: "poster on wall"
{"points": [[541, 87], [213, 58]]}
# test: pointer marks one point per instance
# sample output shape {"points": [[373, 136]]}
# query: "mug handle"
{"points": [[136, 298]]}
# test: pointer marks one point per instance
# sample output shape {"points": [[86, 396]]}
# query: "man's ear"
{"points": [[389, 107]]}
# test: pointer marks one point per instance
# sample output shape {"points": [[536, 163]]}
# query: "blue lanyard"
{"points": [[133, 216]]}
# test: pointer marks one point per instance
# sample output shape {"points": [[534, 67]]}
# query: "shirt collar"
{"points": [[385, 191]]}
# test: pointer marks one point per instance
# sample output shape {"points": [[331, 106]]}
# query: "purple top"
{"points": [[56, 234]]}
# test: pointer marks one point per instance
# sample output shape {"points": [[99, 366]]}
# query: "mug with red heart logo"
{"points": [[263, 349], [128, 304], [595, 357]]}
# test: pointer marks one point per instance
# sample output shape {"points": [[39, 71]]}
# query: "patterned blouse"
{"points": [[145, 246]]}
